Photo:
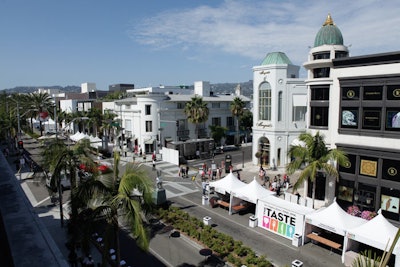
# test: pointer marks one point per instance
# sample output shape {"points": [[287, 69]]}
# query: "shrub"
{"points": [[220, 243]]}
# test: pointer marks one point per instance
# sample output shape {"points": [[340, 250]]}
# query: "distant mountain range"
{"points": [[217, 88]]}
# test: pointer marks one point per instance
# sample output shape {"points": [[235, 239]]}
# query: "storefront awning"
{"points": [[168, 139], [149, 141]]}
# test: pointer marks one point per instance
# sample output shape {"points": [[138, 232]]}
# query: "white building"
{"points": [[280, 105], [155, 116]]}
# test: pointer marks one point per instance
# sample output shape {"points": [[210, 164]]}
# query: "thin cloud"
{"points": [[252, 29]]}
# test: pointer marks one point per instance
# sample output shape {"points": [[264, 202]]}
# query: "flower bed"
{"points": [[221, 244]]}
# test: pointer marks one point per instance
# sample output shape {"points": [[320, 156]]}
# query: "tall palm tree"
{"points": [[112, 198], [41, 102], [196, 111], [237, 109], [316, 157], [95, 119], [59, 159]]}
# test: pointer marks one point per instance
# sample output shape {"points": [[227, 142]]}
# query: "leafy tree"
{"points": [[217, 132], [111, 198], [237, 108], [316, 157], [196, 111]]}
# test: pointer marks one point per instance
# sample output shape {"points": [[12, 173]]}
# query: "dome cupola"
{"points": [[329, 34], [276, 58]]}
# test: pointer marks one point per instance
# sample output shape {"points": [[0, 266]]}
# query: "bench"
{"points": [[238, 208], [325, 241], [223, 203]]}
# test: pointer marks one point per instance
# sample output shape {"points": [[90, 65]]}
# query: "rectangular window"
{"points": [[127, 106], [319, 116], [391, 170], [351, 166], [180, 105], [392, 119], [373, 93], [149, 126], [148, 110], [349, 118], [320, 93], [345, 190], [229, 122], [390, 203], [393, 92], [371, 118], [322, 55], [216, 121], [322, 72], [351, 93], [299, 113]]}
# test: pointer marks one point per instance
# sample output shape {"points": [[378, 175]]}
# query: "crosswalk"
{"points": [[175, 185]]}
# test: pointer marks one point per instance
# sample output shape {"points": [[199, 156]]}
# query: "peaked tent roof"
{"points": [[334, 219], [227, 184], [378, 232], [252, 192]]}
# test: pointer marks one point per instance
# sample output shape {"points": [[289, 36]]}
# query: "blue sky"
{"points": [[174, 42]]}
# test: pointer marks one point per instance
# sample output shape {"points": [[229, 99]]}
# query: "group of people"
{"points": [[276, 184]]}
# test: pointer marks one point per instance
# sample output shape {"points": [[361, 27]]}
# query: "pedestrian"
{"points": [[22, 161], [154, 165], [187, 171]]}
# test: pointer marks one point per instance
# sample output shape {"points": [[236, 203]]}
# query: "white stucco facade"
{"points": [[284, 119]]}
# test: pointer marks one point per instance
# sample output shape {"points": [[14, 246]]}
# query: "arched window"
{"points": [[264, 107], [280, 106]]}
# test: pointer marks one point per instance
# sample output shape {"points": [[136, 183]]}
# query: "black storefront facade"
{"points": [[370, 108]]}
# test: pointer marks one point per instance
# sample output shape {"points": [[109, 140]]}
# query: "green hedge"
{"points": [[223, 245]]}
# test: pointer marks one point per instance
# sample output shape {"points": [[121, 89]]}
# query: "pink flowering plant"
{"points": [[366, 214], [354, 210]]}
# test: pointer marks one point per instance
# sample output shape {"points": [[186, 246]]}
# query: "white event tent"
{"points": [[333, 219], [251, 192], [378, 233], [227, 184]]}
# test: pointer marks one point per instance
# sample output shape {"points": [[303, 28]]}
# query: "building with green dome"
{"points": [[279, 109]]}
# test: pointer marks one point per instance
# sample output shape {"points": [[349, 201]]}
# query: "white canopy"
{"points": [[75, 136], [378, 233], [95, 141], [252, 192], [227, 184], [334, 219]]}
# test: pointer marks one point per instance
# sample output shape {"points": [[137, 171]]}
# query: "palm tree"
{"points": [[316, 157], [41, 102], [111, 199], [62, 159], [237, 108], [196, 111]]}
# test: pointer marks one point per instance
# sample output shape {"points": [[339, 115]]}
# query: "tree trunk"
{"points": [[313, 192]]}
